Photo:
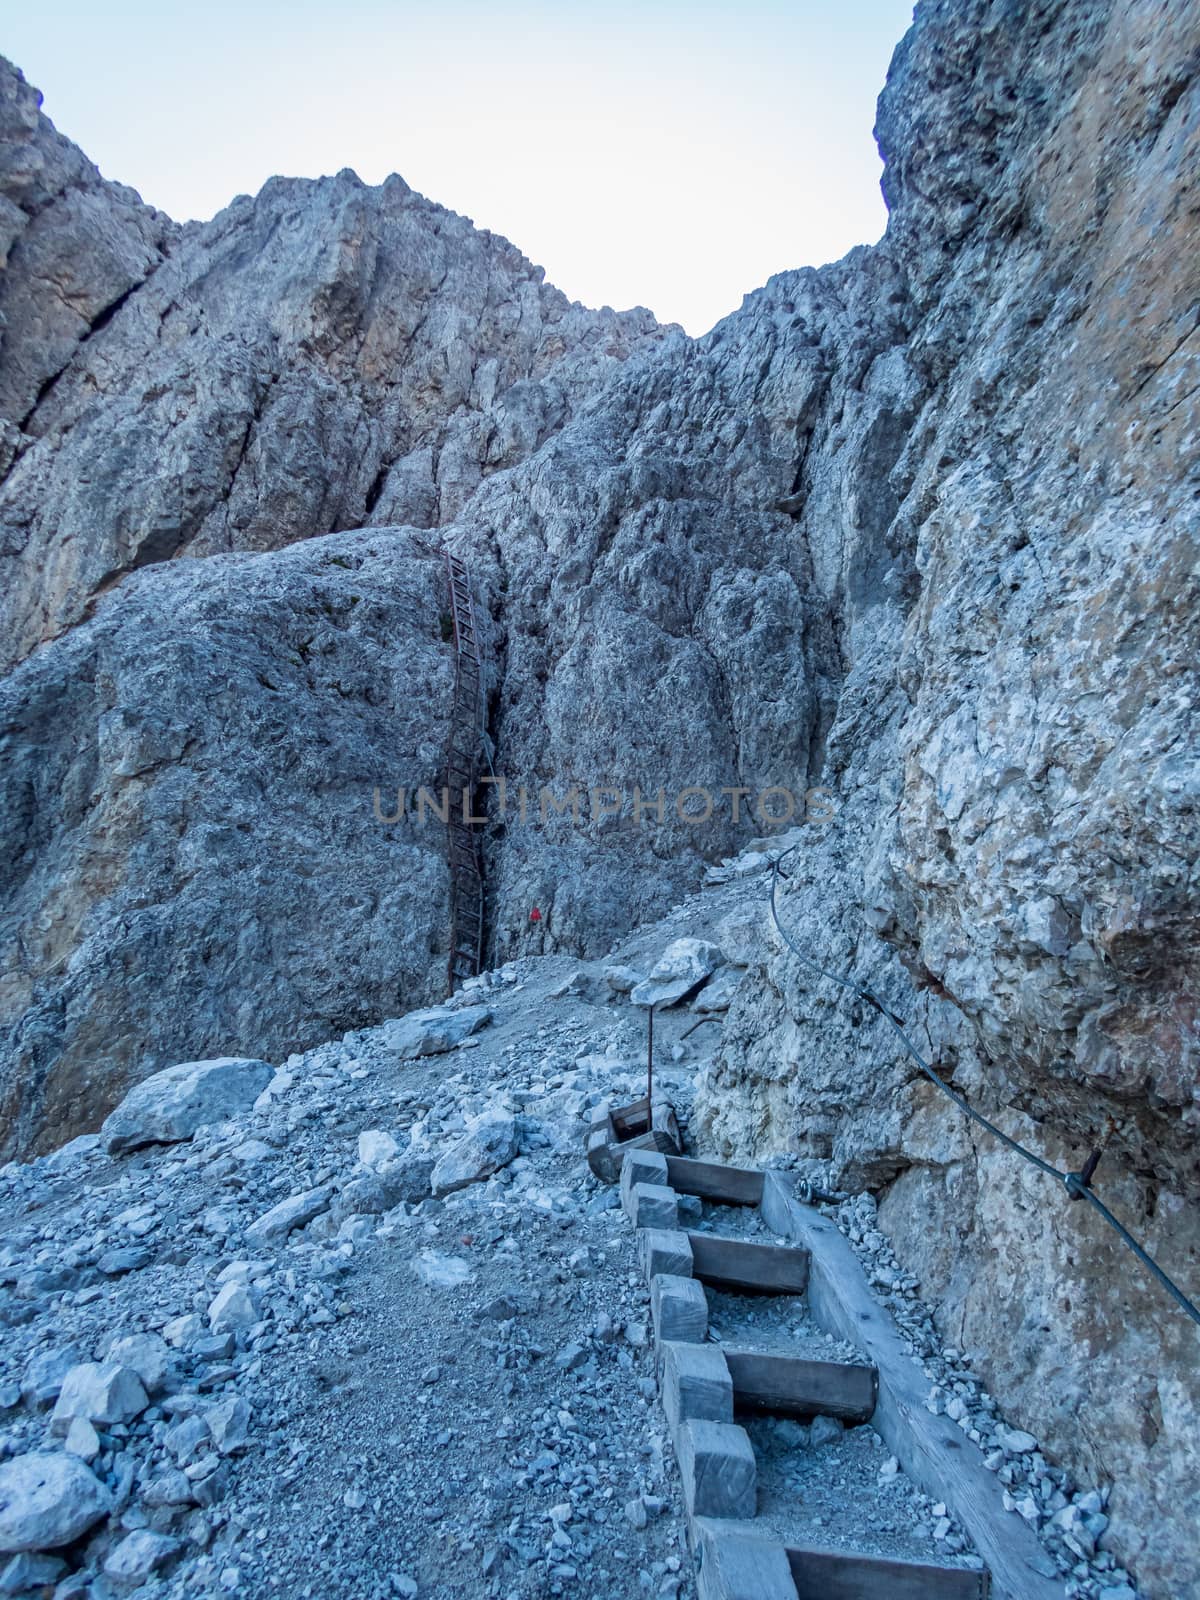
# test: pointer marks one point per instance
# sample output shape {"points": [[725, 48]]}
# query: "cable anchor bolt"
{"points": [[1079, 1182]]}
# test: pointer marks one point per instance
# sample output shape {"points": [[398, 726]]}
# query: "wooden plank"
{"points": [[732, 1566], [602, 1114], [717, 1468], [743, 1264], [668, 1253], [600, 1157], [934, 1451], [641, 1166], [712, 1180], [843, 1575], [696, 1385], [679, 1308], [790, 1386], [606, 1150], [653, 1205], [633, 1119]]}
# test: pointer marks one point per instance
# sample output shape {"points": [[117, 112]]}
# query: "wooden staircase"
{"points": [[463, 750], [706, 1387]]}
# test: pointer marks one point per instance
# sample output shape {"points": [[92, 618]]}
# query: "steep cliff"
{"points": [[322, 356], [920, 527]]}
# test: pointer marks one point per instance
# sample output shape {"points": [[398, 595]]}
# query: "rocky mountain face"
{"points": [[322, 356], [918, 528]]}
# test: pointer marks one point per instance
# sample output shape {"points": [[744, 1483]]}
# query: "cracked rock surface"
{"points": [[918, 530], [319, 356]]}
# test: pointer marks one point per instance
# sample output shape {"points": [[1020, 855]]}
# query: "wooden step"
{"points": [[734, 1565], [932, 1450], [712, 1180], [791, 1386], [843, 1575], [630, 1120], [742, 1264]]}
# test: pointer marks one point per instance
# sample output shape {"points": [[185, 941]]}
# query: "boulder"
{"points": [[43, 1376], [370, 1194], [82, 1439], [148, 1354], [622, 979], [294, 1212], [188, 1438], [105, 1392], [138, 1557], [434, 1031], [409, 1178], [170, 1487], [488, 1144], [172, 1104], [229, 1424], [375, 1147], [234, 1306], [48, 1499], [77, 1149], [181, 1331], [682, 967], [717, 995], [26, 1574]]}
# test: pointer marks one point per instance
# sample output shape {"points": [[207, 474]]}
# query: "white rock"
{"points": [[1028, 1508], [375, 1147], [1015, 1441], [28, 1572], [105, 1392], [48, 1499], [825, 1430], [489, 1143], [172, 1104], [718, 995], [276, 1089], [682, 967], [622, 979], [441, 1270], [235, 1306], [433, 1031], [251, 1151], [82, 1440], [44, 1373], [180, 1331], [139, 1555], [76, 1150], [293, 1212], [187, 1437], [168, 1488], [148, 1355], [229, 1424]]}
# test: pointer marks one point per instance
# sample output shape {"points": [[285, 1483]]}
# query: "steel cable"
{"points": [[1077, 1185]]}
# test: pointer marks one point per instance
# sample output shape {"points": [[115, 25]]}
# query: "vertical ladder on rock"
{"points": [[462, 766]]}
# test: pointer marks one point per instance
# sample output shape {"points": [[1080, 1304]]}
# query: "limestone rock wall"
{"points": [[920, 526], [186, 811], [1017, 785], [318, 357]]}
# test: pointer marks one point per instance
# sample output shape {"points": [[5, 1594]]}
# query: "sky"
{"points": [[671, 154]]}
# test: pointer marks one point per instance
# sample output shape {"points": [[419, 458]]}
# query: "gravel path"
{"points": [[379, 1333]]}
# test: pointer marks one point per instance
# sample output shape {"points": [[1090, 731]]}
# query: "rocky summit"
{"points": [[830, 674]]}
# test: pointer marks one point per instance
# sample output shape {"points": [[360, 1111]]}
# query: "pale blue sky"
{"points": [[666, 154]]}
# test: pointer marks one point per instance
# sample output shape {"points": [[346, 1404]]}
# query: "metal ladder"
{"points": [[462, 765]]}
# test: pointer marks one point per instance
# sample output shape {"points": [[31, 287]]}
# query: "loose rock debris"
{"points": [[267, 1359]]}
